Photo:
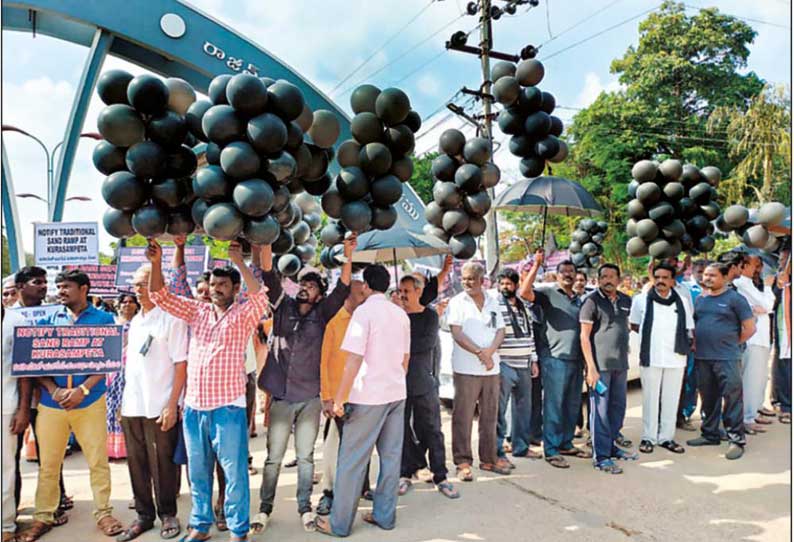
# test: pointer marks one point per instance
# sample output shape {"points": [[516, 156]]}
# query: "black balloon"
{"points": [[366, 128], [532, 166], [181, 163], [443, 168], [150, 221], [222, 125], [261, 231], [468, 178], [282, 166], [402, 168], [223, 221], [108, 158], [267, 133], [168, 129], [477, 151], [167, 192], [123, 191], [112, 87], [197, 211], [146, 160], [319, 186], [511, 121], [392, 106], [210, 183], [433, 213], [286, 100], [363, 99], [319, 163], [386, 190], [253, 197], [455, 221], [375, 159], [195, 113], [399, 139], [247, 94], [180, 221], [352, 184], [383, 218], [121, 125], [118, 223], [239, 160], [447, 195], [537, 125], [332, 203], [463, 246], [147, 94], [452, 142], [356, 216], [476, 226], [477, 204]]}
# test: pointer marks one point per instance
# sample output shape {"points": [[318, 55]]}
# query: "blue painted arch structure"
{"points": [[189, 44]]}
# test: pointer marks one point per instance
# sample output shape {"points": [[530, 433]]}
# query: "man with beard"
{"points": [[214, 418], [604, 336], [723, 321], [292, 377], [422, 403], [561, 368], [519, 365], [75, 403]]}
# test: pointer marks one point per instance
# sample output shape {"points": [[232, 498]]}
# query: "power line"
{"points": [[597, 34], [580, 22], [746, 19], [548, 21], [379, 49], [403, 54], [419, 68]]}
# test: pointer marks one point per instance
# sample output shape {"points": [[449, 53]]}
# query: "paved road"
{"points": [[699, 496]]}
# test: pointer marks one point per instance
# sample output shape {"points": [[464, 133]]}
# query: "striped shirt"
{"points": [[517, 352]]}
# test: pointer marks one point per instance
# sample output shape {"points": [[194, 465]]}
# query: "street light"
{"points": [[50, 157], [35, 196]]}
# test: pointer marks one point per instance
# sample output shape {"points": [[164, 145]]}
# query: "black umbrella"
{"points": [[549, 195], [396, 244]]}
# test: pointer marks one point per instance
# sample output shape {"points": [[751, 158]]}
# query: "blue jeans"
{"points": [[607, 413], [782, 383], [689, 390], [220, 433], [562, 399], [518, 384], [304, 417], [367, 427]]}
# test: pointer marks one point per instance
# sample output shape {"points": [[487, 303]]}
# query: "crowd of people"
{"points": [[360, 364]]}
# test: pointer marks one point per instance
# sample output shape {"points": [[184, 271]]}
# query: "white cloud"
{"points": [[593, 87], [429, 84]]}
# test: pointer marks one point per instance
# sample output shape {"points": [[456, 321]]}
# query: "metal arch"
{"points": [[131, 30], [16, 251]]}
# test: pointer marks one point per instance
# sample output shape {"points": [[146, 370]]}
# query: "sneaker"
{"points": [[326, 501], [735, 451], [702, 441]]}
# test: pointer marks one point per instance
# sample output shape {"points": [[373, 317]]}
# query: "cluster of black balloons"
{"points": [[753, 228], [672, 209], [585, 248], [146, 154], [258, 155], [463, 173], [527, 115], [290, 261], [374, 164]]}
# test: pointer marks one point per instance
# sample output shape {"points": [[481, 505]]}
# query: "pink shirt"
{"points": [[381, 332]]}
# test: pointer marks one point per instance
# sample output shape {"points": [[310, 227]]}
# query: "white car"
{"points": [[446, 389]]}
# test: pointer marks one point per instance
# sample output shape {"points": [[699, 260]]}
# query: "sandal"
{"points": [[763, 421], [220, 519], [170, 528], [196, 536], [576, 452], [623, 455], [59, 518], [369, 518], [529, 454], [505, 463], [67, 503], [609, 466], [767, 412], [464, 473], [784, 417], [307, 519], [446, 489], [110, 526], [36, 530], [259, 523], [495, 468], [673, 446], [558, 462], [646, 446], [136, 529], [405, 484]]}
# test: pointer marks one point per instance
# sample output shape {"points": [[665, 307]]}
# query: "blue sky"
{"points": [[326, 40]]}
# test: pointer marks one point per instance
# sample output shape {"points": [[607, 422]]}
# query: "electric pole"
{"points": [[486, 42], [485, 51]]}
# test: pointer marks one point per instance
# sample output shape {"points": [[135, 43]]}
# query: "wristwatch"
{"points": [[85, 390]]}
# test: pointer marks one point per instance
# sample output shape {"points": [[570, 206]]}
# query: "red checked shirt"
{"points": [[216, 353]]}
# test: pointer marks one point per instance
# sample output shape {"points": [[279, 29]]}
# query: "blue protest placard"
{"points": [[66, 350], [131, 258]]}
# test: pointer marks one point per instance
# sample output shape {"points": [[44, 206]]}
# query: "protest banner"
{"points": [[66, 350], [33, 315], [66, 243], [131, 258], [219, 262], [102, 277]]}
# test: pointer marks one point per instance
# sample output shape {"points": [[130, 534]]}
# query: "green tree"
{"points": [[682, 69], [422, 177], [759, 137]]}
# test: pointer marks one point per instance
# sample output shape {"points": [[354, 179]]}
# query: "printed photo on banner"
{"points": [[131, 258], [66, 243], [102, 277], [66, 350]]}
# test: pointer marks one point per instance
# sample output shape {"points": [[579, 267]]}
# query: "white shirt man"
{"points": [[755, 359], [11, 319], [663, 356], [478, 325]]}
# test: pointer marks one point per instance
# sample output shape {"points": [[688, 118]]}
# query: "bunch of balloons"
{"points": [[672, 209], [146, 154], [752, 228], [585, 248], [290, 261], [463, 172], [374, 163], [527, 115]]}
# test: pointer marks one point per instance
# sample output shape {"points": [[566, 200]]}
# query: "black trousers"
{"points": [[536, 421], [423, 431], [720, 387], [150, 452]]}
